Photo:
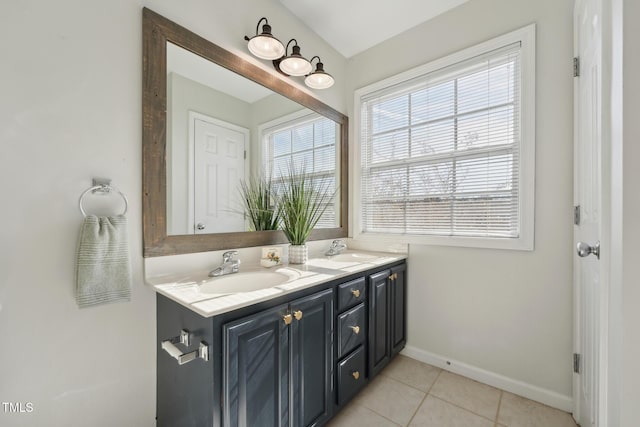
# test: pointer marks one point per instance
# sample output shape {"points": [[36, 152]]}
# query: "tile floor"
{"points": [[411, 393]]}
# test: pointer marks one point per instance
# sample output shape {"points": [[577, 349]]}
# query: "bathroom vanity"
{"points": [[286, 346], [290, 355]]}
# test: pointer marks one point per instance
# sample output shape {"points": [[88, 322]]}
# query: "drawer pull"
{"points": [[287, 318], [355, 329], [355, 374], [355, 293], [297, 315]]}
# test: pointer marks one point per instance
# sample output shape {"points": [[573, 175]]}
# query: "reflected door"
{"points": [[219, 157]]}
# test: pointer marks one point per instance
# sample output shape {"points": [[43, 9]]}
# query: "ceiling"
{"points": [[353, 26]]}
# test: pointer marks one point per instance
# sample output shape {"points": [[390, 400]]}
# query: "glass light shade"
{"points": [[265, 46], [295, 66], [319, 79]]}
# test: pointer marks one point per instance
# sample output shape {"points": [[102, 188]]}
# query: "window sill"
{"points": [[519, 244]]}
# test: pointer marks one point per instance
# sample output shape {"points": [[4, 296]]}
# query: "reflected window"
{"points": [[304, 143]]}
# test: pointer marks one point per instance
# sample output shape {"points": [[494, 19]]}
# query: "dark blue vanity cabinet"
{"points": [[277, 358], [387, 316], [292, 361]]}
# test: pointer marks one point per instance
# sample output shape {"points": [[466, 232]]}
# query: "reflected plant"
{"points": [[257, 195], [300, 203]]}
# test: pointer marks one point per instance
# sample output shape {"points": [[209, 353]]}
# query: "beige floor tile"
{"points": [[438, 413], [357, 415], [478, 398], [516, 411], [412, 372], [391, 399]]}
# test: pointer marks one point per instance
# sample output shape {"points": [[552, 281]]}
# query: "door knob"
{"points": [[584, 249], [200, 226]]}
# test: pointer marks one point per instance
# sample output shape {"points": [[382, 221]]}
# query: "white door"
{"points": [[219, 157], [588, 307]]}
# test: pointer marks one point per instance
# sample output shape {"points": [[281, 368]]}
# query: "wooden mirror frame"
{"points": [[157, 31]]}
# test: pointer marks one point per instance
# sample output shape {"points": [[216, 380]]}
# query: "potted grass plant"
{"points": [[257, 199], [300, 203]]}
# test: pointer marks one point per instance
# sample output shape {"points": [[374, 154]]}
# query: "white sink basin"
{"points": [[247, 281]]}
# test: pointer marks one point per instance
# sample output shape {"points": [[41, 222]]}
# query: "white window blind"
{"points": [[304, 144], [440, 153]]}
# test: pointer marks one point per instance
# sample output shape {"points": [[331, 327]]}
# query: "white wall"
{"points": [[503, 316], [629, 369], [70, 109]]}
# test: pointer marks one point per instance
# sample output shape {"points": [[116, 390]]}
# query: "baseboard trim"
{"points": [[548, 397]]}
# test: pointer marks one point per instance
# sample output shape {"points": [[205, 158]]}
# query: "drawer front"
{"points": [[351, 293], [351, 329], [351, 375]]}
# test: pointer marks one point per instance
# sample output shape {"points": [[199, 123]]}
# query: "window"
{"points": [[447, 150], [304, 142]]}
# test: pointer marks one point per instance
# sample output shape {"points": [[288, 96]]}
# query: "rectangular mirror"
{"points": [[212, 120], [223, 128]]}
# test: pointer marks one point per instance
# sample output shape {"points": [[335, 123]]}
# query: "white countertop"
{"points": [[185, 289]]}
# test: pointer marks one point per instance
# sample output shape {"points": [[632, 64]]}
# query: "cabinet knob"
{"points": [[355, 374], [287, 319], [356, 329], [297, 314], [355, 293], [394, 276]]}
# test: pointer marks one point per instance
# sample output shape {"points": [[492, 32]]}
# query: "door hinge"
{"points": [[576, 363], [245, 154], [576, 67], [576, 215]]}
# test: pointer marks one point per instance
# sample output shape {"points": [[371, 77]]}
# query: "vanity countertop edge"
{"points": [[318, 270]]}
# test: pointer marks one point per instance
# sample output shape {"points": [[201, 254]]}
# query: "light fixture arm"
{"points": [[286, 49], [258, 26], [247, 38], [311, 60]]}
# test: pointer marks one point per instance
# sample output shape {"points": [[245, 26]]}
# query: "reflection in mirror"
{"points": [[223, 129], [273, 122]]}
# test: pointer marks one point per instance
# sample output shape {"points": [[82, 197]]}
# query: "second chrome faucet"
{"points": [[228, 266], [336, 247]]}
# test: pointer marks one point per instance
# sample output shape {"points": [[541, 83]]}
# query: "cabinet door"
{"points": [[256, 370], [398, 289], [311, 355], [379, 322]]}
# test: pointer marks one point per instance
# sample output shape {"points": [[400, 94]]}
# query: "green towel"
{"points": [[103, 265]]}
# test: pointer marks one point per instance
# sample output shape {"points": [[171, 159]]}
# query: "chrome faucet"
{"points": [[336, 247], [229, 265]]}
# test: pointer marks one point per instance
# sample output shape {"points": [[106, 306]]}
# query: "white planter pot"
{"points": [[298, 254]]}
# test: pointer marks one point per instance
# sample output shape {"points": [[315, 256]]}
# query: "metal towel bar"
{"points": [[184, 338]]}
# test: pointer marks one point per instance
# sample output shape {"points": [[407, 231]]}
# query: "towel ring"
{"points": [[103, 189]]}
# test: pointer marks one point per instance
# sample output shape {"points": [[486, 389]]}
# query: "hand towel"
{"points": [[103, 272]]}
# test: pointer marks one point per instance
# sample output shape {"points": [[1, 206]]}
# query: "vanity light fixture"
{"points": [[264, 45], [319, 79], [294, 64]]}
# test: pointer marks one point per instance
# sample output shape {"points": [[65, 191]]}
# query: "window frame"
{"points": [[295, 119], [526, 204]]}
